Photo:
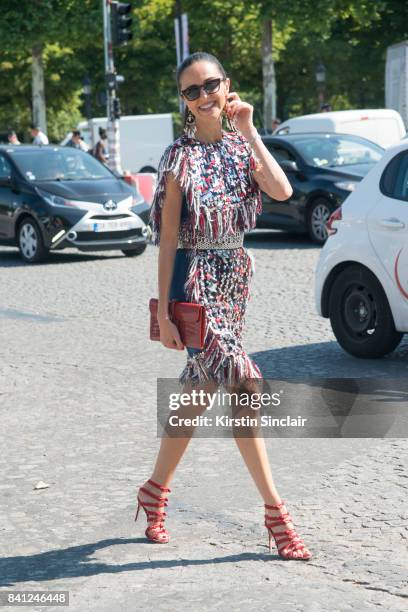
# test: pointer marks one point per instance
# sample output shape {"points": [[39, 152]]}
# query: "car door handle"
{"points": [[392, 223]]}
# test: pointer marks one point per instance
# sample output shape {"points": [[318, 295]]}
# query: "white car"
{"points": [[362, 274], [381, 125]]}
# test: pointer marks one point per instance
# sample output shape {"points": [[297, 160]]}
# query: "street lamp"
{"points": [[320, 75]]}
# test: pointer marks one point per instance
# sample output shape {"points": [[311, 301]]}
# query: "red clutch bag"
{"points": [[188, 318]]}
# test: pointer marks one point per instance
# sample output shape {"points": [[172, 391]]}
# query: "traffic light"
{"points": [[113, 80], [116, 108], [121, 22]]}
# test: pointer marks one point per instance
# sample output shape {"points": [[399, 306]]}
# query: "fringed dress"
{"points": [[220, 198]]}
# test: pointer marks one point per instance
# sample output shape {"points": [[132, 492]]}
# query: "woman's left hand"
{"points": [[240, 113]]}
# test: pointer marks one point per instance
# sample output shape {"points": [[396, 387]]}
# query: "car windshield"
{"points": [[57, 164], [332, 151]]}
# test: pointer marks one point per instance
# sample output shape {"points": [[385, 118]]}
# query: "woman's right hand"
{"points": [[169, 334]]}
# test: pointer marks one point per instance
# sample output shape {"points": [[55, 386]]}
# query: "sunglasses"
{"points": [[193, 92]]}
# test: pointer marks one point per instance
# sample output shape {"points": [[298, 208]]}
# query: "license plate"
{"points": [[111, 226]]}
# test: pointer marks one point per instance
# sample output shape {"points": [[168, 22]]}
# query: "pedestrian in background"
{"points": [[325, 108], [77, 142], [275, 124], [12, 138], [100, 150], [39, 138]]}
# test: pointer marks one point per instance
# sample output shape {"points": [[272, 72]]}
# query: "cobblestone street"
{"points": [[78, 412]]}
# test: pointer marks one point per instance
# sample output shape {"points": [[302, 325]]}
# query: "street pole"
{"points": [[268, 73], [182, 41], [113, 123], [320, 76], [38, 90], [86, 83], [320, 97]]}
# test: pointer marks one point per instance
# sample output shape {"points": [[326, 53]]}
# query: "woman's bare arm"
{"points": [[270, 176], [170, 223]]}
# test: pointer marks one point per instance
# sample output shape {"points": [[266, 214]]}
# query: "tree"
{"points": [[353, 49], [350, 36], [50, 23], [310, 21]]}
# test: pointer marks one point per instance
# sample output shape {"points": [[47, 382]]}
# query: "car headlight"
{"points": [[55, 200], [347, 185]]}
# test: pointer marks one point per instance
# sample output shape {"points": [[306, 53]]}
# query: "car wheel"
{"points": [[317, 216], [148, 169], [360, 315], [135, 251], [30, 242]]}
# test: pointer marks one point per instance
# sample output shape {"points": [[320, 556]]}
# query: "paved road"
{"points": [[77, 401]]}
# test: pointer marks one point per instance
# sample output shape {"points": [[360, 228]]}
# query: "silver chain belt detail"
{"points": [[234, 241]]}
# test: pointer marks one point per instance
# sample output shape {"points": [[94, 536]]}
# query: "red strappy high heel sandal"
{"points": [[289, 544], [155, 530]]}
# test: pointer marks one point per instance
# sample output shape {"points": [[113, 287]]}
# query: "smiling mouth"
{"points": [[206, 106]]}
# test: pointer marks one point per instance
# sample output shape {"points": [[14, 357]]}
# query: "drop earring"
{"points": [[230, 124], [190, 128]]}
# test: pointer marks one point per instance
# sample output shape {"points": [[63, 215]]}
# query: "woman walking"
{"points": [[208, 195]]}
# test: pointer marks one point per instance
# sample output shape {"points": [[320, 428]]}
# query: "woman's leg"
{"points": [[152, 494], [172, 448], [253, 452], [152, 497], [252, 448]]}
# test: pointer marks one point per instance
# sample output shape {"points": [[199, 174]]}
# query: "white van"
{"points": [[143, 139], [382, 126]]}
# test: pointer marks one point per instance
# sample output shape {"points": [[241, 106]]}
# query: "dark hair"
{"points": [[199, 56], [76, 133], [102, 133], [11, 133], [35, 127]]}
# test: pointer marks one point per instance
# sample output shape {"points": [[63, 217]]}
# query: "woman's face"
{"points": [[207, 106]]}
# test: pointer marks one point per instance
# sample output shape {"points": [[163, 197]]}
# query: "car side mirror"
{"points": [[288, 165]]}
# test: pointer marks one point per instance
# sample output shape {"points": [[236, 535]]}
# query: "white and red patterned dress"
{"points": [[220, 198]]}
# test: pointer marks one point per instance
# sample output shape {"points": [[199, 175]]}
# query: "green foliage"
{"points": [[28, 22], [353, 51], [64, 118], [349, 36]]}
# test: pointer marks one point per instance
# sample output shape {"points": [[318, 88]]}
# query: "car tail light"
{"points": [[335, 216]]}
